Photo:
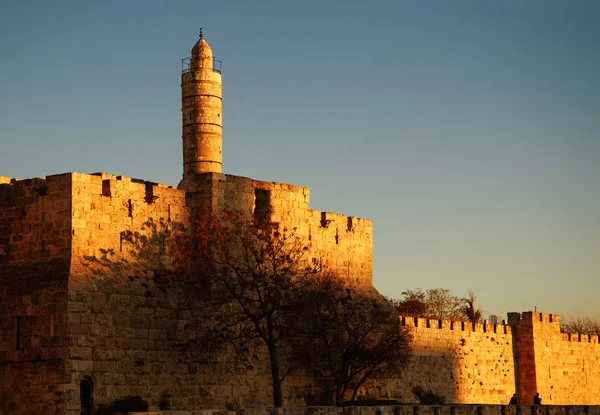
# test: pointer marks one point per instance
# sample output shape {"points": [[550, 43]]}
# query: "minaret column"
{"points": [[201, 108]]}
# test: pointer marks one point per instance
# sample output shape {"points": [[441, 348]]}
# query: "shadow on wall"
{"points": [[427, 378], [128, 316], [462, 362], [150, 252]]}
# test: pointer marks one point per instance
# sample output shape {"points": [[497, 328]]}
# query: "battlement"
{"points": [[531, 316], [109, 185], [35, 218], [340, 243], [15, 188], [99, 206], [112, 185], [580, 338], [107, 205], [68, 214], [452, 325]]}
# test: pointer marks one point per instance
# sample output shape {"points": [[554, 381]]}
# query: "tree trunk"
{"points": [[340, 392], [274, 358]]}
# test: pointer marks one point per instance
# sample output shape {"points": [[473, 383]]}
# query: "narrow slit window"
{"points": [[17, 332], [86, 395], [106, 188], [262, 201]]}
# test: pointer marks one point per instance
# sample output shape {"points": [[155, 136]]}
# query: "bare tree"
{"points": [[469, 310], [581, 325], [443, 305], [351, 335], [248, 274]]}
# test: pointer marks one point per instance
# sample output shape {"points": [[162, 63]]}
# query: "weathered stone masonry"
{"points": [[79, 302], [487, 363], [35, 254], [563, 368], [464, 362], [75, 320]]}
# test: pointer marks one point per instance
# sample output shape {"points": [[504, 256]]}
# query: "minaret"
{"points": [[201, 107]]}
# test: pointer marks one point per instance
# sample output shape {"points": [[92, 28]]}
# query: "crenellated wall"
{"points": [[35, 218], [342, 244], [464, 362], [82, 295], [563, 368], [80, 260], [107, 207]]}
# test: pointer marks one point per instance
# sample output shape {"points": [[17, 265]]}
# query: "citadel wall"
{"points": [[35, 250], [464, 362], [80, 299], [131, 339], [127, 323], [114, 316], [106, 207], [342, 244], [563, 368], [124, 321], [80, 272]]}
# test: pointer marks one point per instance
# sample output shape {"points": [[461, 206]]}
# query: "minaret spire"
{"points": [[201, 104]]}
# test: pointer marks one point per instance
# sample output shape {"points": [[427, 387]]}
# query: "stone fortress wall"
{"points": [[563, 368], [342, 244], [464, 362], [80, 302], [104, 206], [35, 254], [124, 331], [486, 363], [67, 295], [119, 332], [91, 212]]}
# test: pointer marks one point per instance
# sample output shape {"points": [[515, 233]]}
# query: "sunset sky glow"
{"points": [[468, 131]]}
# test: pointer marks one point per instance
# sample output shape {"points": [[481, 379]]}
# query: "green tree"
{"points": [[413, 304], [435, 303]]}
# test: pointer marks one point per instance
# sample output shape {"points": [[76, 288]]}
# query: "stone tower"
{"points": [[201, 107]]}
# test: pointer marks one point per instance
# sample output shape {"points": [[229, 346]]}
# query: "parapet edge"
{"points": [[454, 325], [580, 338], [78, 175]]}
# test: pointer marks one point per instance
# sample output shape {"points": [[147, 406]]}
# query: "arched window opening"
{"points": [[86, 396]]}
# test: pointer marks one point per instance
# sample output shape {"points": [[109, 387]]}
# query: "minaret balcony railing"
{"points": [[185, 65]]}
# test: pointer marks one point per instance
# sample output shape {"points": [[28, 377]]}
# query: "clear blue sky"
{"points": [[468, 131]]}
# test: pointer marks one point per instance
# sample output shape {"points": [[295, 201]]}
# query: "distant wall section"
{"points": [[566, 368], [462, 361]]}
